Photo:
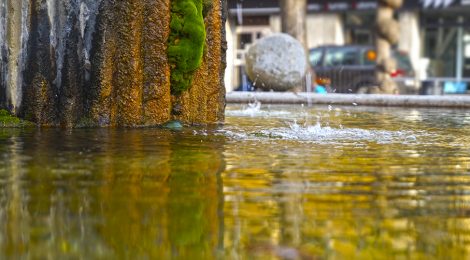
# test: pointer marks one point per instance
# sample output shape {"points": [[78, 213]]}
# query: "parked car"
{"points": [[351, 68]]}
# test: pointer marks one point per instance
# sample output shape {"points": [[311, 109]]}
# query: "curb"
{"points": [[453, 101]]}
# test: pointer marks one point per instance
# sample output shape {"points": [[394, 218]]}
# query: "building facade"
{"points": [[435, 33]]}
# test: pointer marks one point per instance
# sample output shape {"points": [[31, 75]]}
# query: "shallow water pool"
{"points": [[276, 182]]}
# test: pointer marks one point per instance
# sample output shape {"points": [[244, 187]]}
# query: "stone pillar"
{"points": [[410, 40], [275, 23], [231, 54], [387, 35], [205, 100], [104, 63], [293, 16]]}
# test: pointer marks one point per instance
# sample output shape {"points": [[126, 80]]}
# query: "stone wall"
{"points": [[103, 63]]}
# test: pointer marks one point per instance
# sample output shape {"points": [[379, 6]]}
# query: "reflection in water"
{"points": [[347, 197], [261, 187], [108, 193]]}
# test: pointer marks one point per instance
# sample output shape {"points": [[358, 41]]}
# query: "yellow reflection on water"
{"points": [[109, 194]]}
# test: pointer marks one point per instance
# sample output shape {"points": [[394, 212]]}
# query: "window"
{"points": [[359, 27], [403, 60], [245, 39], [315, 57], [341, 57]]}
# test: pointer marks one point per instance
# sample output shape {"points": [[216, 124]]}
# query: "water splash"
{"points": [[326, 134], [244, 83], [318, 132], [308, 87], [254, 109]]}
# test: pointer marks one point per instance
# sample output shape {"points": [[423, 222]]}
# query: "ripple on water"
{"points": [[281, 127], [327, 134]]}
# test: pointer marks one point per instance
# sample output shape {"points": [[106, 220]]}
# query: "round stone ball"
{"points": [[277, 62]]}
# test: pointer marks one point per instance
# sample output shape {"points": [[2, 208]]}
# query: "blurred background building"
{"points": [[434, 33]]}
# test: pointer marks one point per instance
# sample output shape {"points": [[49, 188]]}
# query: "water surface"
{"points": [[276, 182]]}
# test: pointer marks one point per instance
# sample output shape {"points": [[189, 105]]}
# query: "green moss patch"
{"points": [[8, 120], [186, 42]]}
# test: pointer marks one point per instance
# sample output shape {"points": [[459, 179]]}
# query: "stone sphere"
{"points": [[276, 62]]}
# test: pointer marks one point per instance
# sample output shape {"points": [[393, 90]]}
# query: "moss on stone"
{"points": [[186, 42], [8, 120], [87, 122], [207, 6]]}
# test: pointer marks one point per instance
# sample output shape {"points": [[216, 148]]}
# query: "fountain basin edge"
{"points": [[450, 101]]}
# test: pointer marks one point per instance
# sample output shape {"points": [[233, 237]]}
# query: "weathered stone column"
{"points": [[388, 33], [105, 62], [293, 22], [293, 19], [205, 100]]}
